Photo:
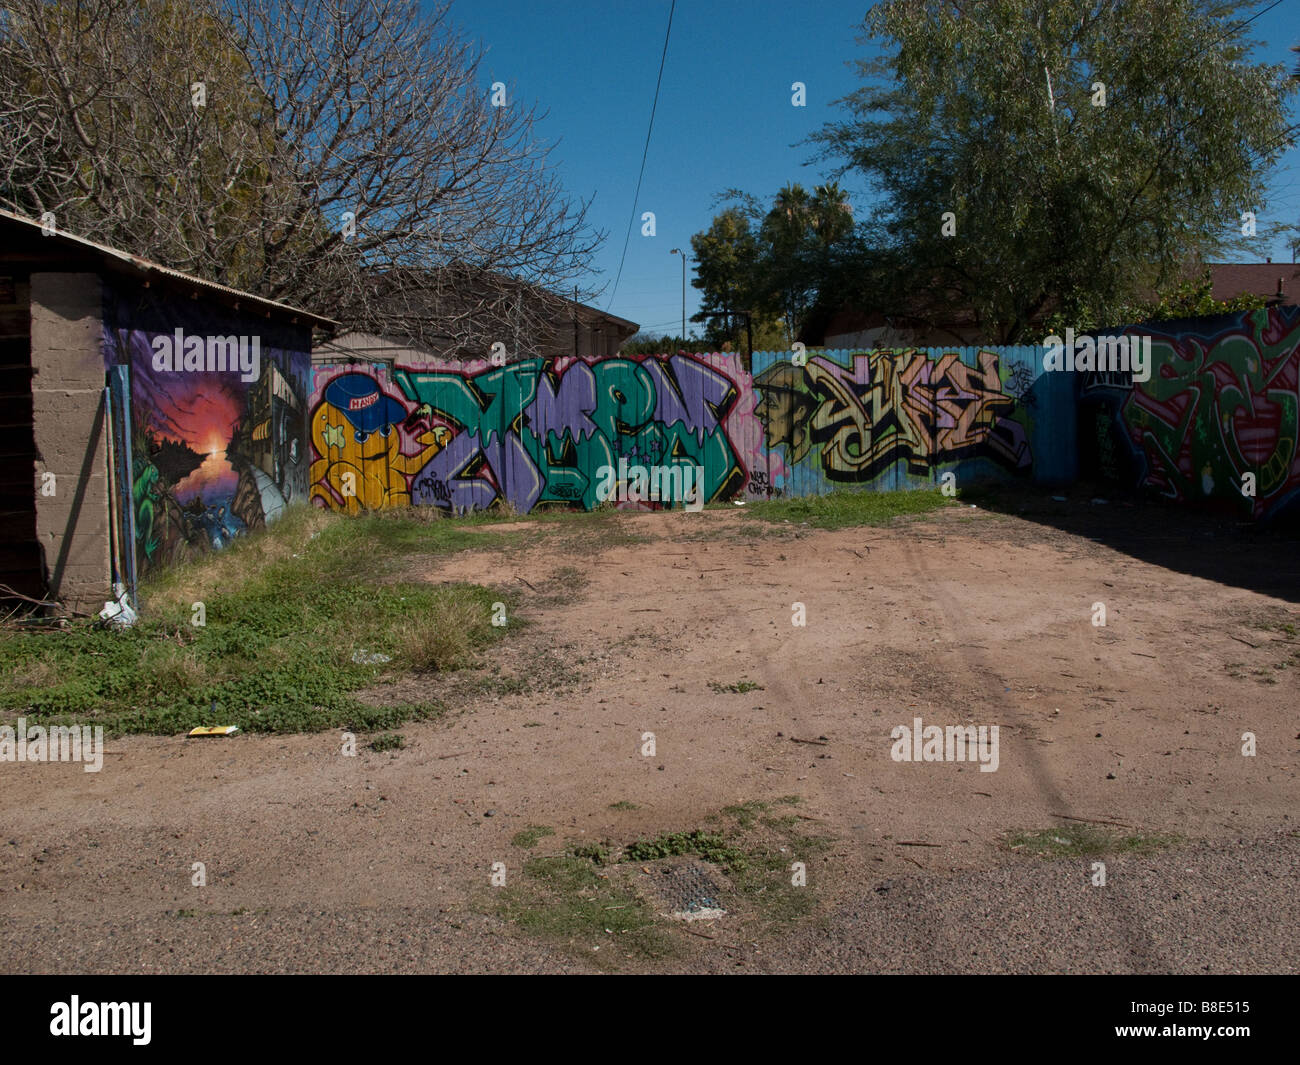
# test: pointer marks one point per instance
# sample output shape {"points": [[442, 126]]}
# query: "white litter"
{"points": [[362, 658], [119, 613]]}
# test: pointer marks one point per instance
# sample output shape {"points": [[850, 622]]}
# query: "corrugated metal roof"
{"points": [[116, 256]]}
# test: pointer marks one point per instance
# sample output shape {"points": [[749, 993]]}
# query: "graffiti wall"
{"points": [[538, 432], [217, 421], [229, 424], [901, 419], [465, 436], [1218, 412]]}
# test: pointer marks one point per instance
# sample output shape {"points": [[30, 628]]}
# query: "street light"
{"points": [[678, 251]]}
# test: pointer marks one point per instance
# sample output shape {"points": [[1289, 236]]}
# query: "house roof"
{"points": [[80, 250], [593, 315], [1258, 279]]}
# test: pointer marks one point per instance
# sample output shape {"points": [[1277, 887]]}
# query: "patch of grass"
{"points": [[294, 618], [528, 838], [571, 896], [739, 688], [706, 846], [596, 853], [765, 880], [389, 741], [565, 898], [1082, 841], [843, 508], [623, 804], [436, 643], [746, 813]]}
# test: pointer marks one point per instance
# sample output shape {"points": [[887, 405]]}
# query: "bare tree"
{"points": [[340, 154]]}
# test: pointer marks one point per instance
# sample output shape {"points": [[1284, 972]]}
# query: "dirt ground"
{"points": [[381, 862]]}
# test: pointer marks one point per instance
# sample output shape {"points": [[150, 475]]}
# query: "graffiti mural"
{"points": [[855, 419], [367, 445], [537, 432], [529, 433], [1221, 403], [217, 425]]}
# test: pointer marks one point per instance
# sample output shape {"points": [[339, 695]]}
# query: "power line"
{"points": [[1233, 29], [1287, 134], [645, 152]]}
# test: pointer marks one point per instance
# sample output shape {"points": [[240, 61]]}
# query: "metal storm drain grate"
{"points": [[687, 891]]}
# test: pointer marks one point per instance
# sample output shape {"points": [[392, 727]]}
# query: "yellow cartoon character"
{"points": [[361, 465]]}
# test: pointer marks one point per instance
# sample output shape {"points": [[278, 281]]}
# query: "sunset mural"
{"points": [[213, 455]]}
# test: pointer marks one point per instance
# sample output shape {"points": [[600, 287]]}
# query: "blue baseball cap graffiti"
{"points": [[358, 397]]}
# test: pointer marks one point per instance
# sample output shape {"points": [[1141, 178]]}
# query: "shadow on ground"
{"points": [[1261, 557]]}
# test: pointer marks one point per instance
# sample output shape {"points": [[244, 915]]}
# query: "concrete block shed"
{"points": [[146, 416]]}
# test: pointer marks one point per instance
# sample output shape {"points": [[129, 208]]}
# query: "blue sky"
{"points": [[724, 117]]}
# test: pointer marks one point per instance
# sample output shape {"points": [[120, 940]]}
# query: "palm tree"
{"points": [[832, 214], [797, 233], [790, 216]]}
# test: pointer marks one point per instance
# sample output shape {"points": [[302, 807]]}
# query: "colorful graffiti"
{"points": [[215, 453], [530, 433], [356, 429], [537, 432], [1221, 403], [923, 409]]}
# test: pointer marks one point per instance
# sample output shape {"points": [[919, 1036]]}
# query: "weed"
{"points": [[739, 688], [1079, 841], [597, 853], [527, 838], [564, 898], [706, 846]]}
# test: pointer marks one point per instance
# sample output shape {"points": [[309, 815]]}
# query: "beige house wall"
{"points": [[71, 433]]}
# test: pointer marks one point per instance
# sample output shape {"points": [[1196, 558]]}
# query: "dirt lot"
{"points": [[680, 625]]}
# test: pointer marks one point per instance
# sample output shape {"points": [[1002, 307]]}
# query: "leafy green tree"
{"points": [[726, 257], [774, 264], [797, 237], [644, 343], [1086, 153], [1192, 298]]}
